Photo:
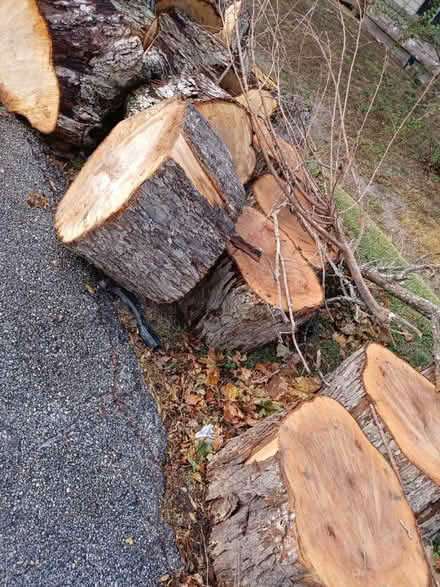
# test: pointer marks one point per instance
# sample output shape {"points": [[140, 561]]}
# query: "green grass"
{"points": [[376, 246]]}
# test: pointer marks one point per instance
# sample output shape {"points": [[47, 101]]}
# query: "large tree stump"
{"points": [[255, 529], [156, 203]]}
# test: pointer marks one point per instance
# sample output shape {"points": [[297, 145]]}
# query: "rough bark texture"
{"points": [[253, 535], [196, 87], [227, 315], [168, 236], [184, 47], [98, 52]]}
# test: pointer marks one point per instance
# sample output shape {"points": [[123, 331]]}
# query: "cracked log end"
{"points": [[408, 404], [303, 285], [353, 523], [156, 203], [28, 83]]}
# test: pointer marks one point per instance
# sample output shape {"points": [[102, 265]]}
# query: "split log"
{"points": [[241, 304], [229, 120], [155, 204], [254, 534], [28, 83]]}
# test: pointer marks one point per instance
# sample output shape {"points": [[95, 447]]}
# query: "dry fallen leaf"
{"points": [[37, 200], [232, 413], [306, 385], [191, 399], [230, 392]]}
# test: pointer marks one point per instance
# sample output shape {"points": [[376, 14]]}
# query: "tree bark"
{"points": [[103, 49], [99, 54], [253, 535], [155, 231], [224, 312]]}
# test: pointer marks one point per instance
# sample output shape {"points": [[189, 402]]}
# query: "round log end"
{"points": [[130, 154], [304, 291]]}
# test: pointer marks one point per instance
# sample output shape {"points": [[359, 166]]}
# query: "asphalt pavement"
{"points": [[81, 444]]}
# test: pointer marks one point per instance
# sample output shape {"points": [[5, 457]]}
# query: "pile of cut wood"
{"points": [[170, 204], [185, 201]]}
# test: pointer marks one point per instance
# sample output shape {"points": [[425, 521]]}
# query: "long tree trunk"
{"points": [[254, 536]]}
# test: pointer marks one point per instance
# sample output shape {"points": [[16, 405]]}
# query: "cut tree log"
{"points": [[229, 120], [98, 53], [155, 204], [254, 534], [246, 307], [102, 50], [298, 290], [227, 315], [412, 417], [28, 83], [353, 524]]}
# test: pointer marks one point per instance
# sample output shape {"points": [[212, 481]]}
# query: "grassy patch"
{"points": [[374, 245]]}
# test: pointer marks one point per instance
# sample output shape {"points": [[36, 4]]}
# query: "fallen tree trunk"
{"points": [[254, 533], [155, 204]]}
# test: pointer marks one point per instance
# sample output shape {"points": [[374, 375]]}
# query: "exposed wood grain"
{"points": [[28, 83], [250, 501], [304, 289], [353, 523], [409, 406]]}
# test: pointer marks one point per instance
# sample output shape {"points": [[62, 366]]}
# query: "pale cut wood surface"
{"points": [[353, 523], [303, 285], [271, 197], [409, 406], [28, 82], [259, 102]]}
